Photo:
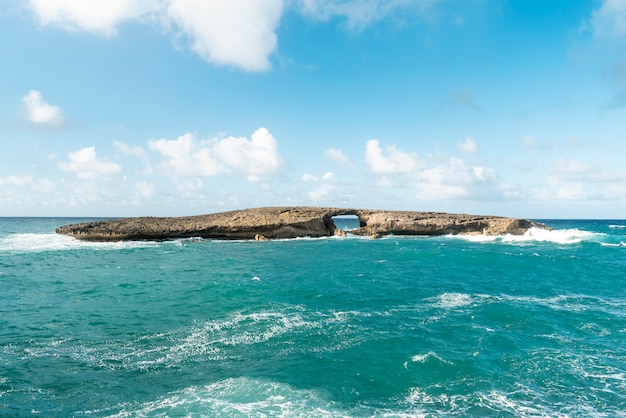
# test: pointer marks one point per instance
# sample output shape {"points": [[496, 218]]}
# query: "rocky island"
{"points": [[293, 222]]}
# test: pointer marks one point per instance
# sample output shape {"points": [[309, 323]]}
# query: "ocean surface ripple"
{"points": [[527, 326]]}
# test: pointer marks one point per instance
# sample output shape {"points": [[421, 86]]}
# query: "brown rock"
{"points": [[292, 222]]}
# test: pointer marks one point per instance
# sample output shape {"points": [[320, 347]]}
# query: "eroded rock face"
{"points": [[291, 222]]}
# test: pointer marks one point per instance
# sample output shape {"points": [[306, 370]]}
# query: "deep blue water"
{"points": [[400, 326]]}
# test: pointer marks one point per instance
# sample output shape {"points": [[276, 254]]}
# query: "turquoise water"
{"points": [[395, 327]]}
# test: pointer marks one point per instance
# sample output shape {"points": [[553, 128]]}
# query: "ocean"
{"points": [[531, 326]]}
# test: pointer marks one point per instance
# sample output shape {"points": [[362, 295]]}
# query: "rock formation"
{"points": [[292, 222]]}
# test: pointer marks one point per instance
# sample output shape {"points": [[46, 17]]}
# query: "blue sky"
{"points": [[182, 107]]}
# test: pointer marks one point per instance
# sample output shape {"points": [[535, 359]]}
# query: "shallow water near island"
{"points": [[532, 325]]}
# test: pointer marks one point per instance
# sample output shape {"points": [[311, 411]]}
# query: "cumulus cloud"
{"points": [[101, 17], [469, 146], [38, 112], [186, 156], [390, 160], [335, 154], [87, 165], [360, 13], [609, 20], [231, 32], [256, 158], [240, 33], [436, 177]]}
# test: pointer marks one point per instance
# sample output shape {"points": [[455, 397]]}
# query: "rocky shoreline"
{"points": [[293, 222]]}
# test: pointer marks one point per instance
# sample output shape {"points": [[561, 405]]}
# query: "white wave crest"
{"points": [[423, 358], [453, 300], [56, 242], [522, 402], [557, 236], [535, 234], [608, 244]]}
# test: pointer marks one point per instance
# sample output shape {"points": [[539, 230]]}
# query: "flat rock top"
{"points": [[292, 222]]}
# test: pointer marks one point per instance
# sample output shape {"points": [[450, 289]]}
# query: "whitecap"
{"points": [[535, 234], [557, 236], [477, 237], [57, 242], [422, 358], [453, 300], [237, 397], [608, 244]]}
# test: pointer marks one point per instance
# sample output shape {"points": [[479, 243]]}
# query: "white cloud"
{"points": [[455, 180], [609, 20], [144, 189], [134, 151], [189, 188], [326, 187], [256, 158], [389, 161], [468, 147], [231, 32], [360, 13], [240, 33], [39, 112], [86, 165], [573, 170], [581, 180], [186, 156], [19, 181], [101, 17], [328, 177], [335, 154], [308, 178]]}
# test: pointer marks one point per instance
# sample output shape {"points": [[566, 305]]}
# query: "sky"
{"points": [[183, 107]]}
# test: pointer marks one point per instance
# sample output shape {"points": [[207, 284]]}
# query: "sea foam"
{"points": [[535, 234], [237, 397], [57, 242]]}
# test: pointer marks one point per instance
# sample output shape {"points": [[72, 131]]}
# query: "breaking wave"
{"points": [[57, 242], [535, 234]]}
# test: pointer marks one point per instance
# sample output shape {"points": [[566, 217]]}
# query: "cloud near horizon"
{"points": [[186, 156], [436, 177]]}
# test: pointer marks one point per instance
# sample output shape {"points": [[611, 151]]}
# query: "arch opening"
{"points": [[346, 222]]}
